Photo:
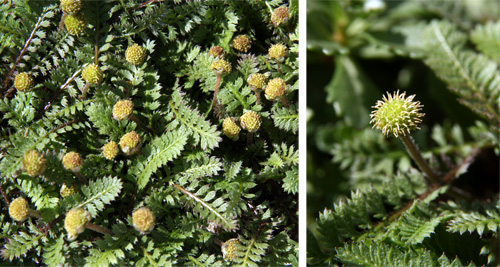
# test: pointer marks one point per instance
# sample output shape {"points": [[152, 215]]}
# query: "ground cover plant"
{"points": [[403, 133], [149, 133]]}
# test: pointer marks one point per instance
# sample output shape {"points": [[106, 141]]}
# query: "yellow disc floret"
{"points": [[75, 222], [143, 220], [34, 163], [110, 150], [221, 67], [123, 109], [67, 191], [229, 249], [130, 143], [75, 23], [71, 6], [92, 74], [231, 129], [277, 51], [396, 114], [257, 80], [24, 82], [280, 16], [135, 54], [250, 121], [19, 209], [72, 161], [242, 43], [275, 89]]}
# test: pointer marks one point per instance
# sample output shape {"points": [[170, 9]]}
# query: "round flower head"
{"points": [[275, 89], [230, 129], [242, 43], [24, 82], [250, 121], [229, 249], [280, 16], [396, 114], [19, 209], [72, 161], [34, 163], [130, 143], [110, 150], [75, 222], [71, 6], [257, 80], [217, 52], [92, 74], [67, 191], [135, 54], [143, 220], [277, 51], [75, 24], [221, 67], [122, 109]]}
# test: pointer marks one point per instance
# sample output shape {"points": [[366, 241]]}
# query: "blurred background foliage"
{"points": [[358, 50]]}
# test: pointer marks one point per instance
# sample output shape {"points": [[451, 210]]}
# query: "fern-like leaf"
{"points": [[487, 39], [100, 192]]}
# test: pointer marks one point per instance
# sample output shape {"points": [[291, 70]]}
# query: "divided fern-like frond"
{"points": [[100, 192], [475, 221], [286, 118], [487, 39], [156, 154]]}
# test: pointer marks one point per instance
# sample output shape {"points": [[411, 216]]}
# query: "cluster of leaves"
{"points": [[203, 187], [444, 52]]}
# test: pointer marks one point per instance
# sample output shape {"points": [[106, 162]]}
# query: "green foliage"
{"points": [[444, 52], [202, 187]]}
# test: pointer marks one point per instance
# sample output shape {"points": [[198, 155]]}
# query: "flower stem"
{"points": [[216, 91], [98, 229], [417, 157]]}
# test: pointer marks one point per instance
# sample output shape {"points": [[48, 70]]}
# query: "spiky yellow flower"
{"points": [[250, 121], [280, 16], [75, 24], [217, 52], [123, 109], [277, 51], [221, 67], [257, 80], [19, 209], [229, 249], [75, 222], [135, 54], [275, 89], [67, 191], [34, 163], [110, 150], [396, 114], [130, 143], [92, 74], [242, 43], [24, 82], [231, 129], [71, 6], [143, 220], [72, 161]]}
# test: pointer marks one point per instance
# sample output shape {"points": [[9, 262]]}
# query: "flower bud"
{"points": [[257, 80], [92, 74], [34, 163], [130, 143], [110, 150], [221, 67], [24, 82], [72, 161], [280, 16], [230, 129], [275, 89], [75, 24], [217, 52], [136, 54], [229, 249], [71, 6], [143, 220], [242, 43], [19, 209], [250, 121], [123, 109], [75, 222], [277, 51]]}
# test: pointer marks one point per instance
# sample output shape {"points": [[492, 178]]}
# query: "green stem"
{"points": [[417, 157]]}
